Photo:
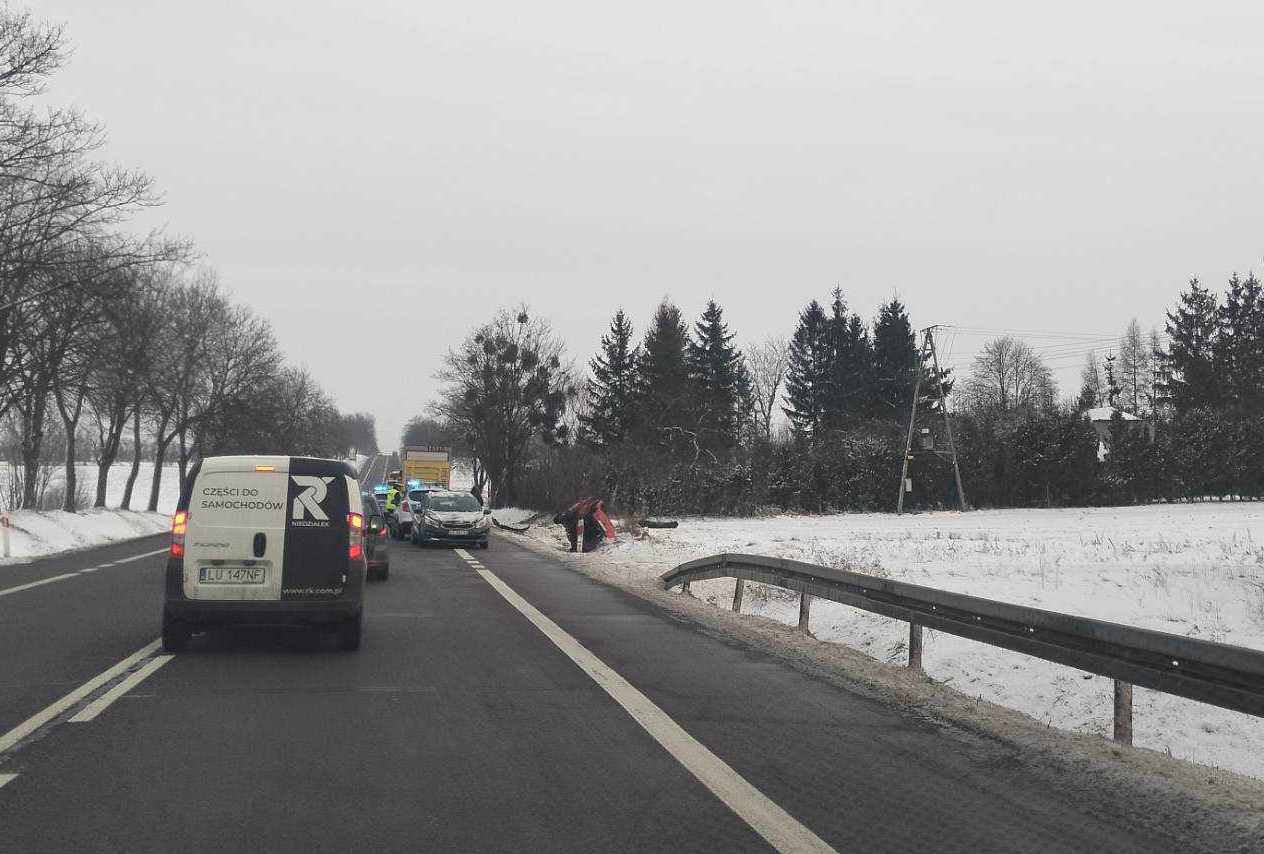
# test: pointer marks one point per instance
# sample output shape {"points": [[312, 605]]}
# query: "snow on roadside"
{"points": [[1193, 570], [513, 515], [38, 533]]}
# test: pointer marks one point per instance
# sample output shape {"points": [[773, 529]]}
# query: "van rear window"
{"points": [[231, 497]]}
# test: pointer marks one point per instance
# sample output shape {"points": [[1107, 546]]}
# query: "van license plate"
{"points": [[231, 575]]}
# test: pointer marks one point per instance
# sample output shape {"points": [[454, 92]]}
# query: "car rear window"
{"points": [[455, 503]]}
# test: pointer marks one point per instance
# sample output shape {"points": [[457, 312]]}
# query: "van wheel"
{"points": [[175, 635], [349, 633]]}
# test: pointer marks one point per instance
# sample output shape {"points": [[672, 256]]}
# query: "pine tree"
{"points": [[718, 373], [1239, 348], [612, 385], [664, 389], [1191, 380], [1090, 384], [850, 360], [808, 375], [895, 361]]}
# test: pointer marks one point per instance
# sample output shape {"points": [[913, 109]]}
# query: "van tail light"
{"points": [[179, 525], [355, 526]]}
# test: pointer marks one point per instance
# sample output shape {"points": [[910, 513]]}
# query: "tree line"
{"points": [[681, 420], [114, 342]]}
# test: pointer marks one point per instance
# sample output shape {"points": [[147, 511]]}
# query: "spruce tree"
{"points": [[1239, 348], [719, 376], [1090, 384], [848, 385], [1112, 390], [664, 388], [808, 375], [612, 385], [1191, 380], [895, 361]]}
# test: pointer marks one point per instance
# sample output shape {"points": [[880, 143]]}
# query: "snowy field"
{"points": [[39, 533], [1192, 570]]}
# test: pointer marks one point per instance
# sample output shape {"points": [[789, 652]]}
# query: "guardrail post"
{"points": [[737, 596], [1123, 712], [915, 647], [805, 610]]}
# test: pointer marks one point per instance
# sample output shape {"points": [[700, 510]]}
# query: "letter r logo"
{"points": [[308, 501]]}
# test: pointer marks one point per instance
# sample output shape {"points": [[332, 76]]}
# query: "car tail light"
{"points": [[381, 533], [179, 525], [404, 507], [355, 525]]}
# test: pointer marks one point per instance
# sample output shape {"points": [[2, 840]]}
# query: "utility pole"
{"points": [[928, 353]]}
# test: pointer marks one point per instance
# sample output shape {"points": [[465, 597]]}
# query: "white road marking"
{"points": [[778, 828], [19, 588], [75, 697], [138, 557], [7, 778], [100, 704], [42, 581]]}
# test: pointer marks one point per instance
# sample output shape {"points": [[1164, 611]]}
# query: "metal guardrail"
{"points": [[1231, 677]]}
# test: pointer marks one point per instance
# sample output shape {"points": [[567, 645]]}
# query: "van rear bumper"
{"points": [[284, 612], [203, 612]]}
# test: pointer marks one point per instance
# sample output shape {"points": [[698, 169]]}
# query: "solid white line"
{"points": [[138, 557], [75, 697], [780, 829], [7, 778], [89, 569], [42, 581], [100, 704]]}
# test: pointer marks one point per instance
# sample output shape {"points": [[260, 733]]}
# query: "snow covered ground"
{"points": [[1194, 570], [38, 533]]}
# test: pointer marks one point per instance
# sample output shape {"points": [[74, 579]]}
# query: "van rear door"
{"points": [[319, 500], [235, 542]]}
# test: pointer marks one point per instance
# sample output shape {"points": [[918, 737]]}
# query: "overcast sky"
{"points": [[403, 169]]}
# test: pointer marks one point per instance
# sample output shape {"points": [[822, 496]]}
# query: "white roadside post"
{"points": [[5, 522]]}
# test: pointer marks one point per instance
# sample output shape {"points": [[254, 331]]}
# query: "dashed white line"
{"points": [[780, 829], [39, 583], [100, 704], [138, 557], [75, 697]]}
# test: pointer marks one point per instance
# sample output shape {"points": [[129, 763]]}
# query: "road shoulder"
{"points": [[1223, 809]]}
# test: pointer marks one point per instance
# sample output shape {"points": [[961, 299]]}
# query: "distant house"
{"points": [[1100, 418]]}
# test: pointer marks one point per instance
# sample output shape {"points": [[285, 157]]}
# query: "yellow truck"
{"points": [[428, 465]]}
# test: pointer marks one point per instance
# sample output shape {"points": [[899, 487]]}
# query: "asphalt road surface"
{"points": [[501, 702]]}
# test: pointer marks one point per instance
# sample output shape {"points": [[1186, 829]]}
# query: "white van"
{"points": [[262, 539]]}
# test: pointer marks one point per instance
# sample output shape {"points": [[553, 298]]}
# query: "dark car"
{"points": [[377, 545], [455, 518]]}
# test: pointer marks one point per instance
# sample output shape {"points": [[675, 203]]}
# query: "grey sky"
{"points": [[413, 166]]}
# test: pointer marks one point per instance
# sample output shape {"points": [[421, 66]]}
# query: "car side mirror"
{"points": [[487, 512], [375, 522]]}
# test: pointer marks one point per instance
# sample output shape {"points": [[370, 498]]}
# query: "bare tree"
{"points": [[1134, 369], [768, 363], [505, 385], [1007, 378]]}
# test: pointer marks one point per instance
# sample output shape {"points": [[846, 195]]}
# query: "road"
{"points": [[501, 702]]}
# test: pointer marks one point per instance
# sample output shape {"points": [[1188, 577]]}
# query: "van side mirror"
{"points": [[486, 512]]}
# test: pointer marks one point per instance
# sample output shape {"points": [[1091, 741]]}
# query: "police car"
{"points": [[266, 539]]}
